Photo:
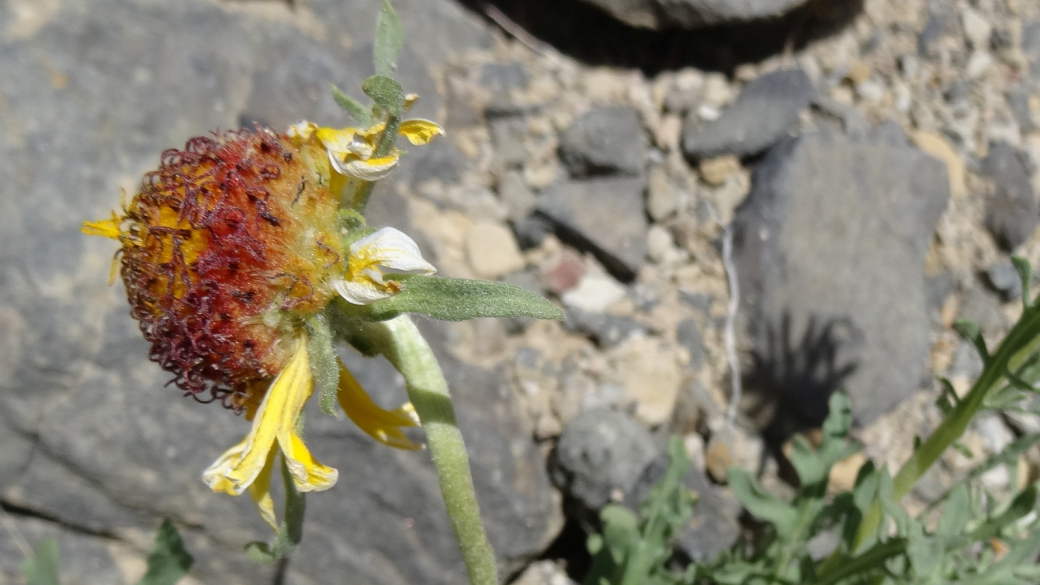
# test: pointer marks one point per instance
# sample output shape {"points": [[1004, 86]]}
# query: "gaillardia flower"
{"points": [[227, 251]]}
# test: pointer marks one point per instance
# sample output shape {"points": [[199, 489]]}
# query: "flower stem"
{"points": [[406, 349]]}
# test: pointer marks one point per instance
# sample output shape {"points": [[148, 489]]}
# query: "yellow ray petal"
{"points": [[308, 474], [382, 425], [419, 131], [260, 491], [107, 228]]}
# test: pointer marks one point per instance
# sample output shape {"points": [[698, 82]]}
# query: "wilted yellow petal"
{"points": [[308, 474], [370, 169], [382, 425], [409, 101], [419, 131], [260, 491]]}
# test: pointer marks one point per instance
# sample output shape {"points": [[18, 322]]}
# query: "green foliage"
{"points": [[455, 299], [168, 561], [977, 540], [386, 93], [352, 106], [389, 40], [42, 567], [291, 531], [634, 550], [324, 366]]}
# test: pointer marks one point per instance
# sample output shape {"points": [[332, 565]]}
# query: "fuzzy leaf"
{"points": [[456, 299], [168, 561], [42, 567], [389, 40], [324, 366], [1025, 272], [386, 93], [352, 106]]}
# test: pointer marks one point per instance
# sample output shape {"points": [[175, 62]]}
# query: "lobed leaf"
{"points": [[352, 106], [168, 561], [42, 567], [389, 40]]}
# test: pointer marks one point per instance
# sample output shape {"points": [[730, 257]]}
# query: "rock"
{"points": [[852, 121], [937, 146], [1005, 280], [600, 455], [936, 28], [507, 136], [977, 29], [594, 294], [763, 113], [580, 210], [696, 300], [689, 336], [1012, 213], [1018, 103], [649, 369], [966, 361], [604, 141], [843, 474], [516, 196], [503, 76], [606, 330], [830, 248], [95, 450], [994, 434], [983, 309], [978, 64], [938, 288], [715, 171], [492, 250], [714, 526], [543, 573], [663, 197], [665, 14], [531, 230]]}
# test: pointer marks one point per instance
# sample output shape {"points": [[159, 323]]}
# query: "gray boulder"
{"points": [[604, 216], [764, 112], [1012, 213], [601, 454], [605, 141], [830, 247], [95, 450], [660, 14]]}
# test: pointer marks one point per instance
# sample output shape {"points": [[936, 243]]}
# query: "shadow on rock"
{"points": [[596, 38], [791, 381]]}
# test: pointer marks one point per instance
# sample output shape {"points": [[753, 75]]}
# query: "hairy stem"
{"points": [[406, 349]]}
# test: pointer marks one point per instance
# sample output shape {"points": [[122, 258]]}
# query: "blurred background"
{"points": [[861, 170]]}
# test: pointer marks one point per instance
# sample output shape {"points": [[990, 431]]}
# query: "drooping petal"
{"points": [[391, 249], [260, 491], [369, 169], [275, 420], [382, 425], [409, 101], [419, 131]]}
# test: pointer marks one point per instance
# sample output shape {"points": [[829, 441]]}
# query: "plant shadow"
{"points": [[792, 376]]}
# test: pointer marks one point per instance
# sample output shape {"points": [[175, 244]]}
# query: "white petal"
{"points": [[360, 292], [369, 169], [392, 249], [302, 130]]}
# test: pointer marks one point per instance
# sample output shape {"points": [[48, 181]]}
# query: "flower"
{"points": [[386, 249], [352, 150], [227, 251]]}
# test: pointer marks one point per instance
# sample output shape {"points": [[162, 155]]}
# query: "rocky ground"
{"points": [[861, 186]]}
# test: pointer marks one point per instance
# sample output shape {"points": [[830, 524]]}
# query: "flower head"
{"points": [[229, 249]]}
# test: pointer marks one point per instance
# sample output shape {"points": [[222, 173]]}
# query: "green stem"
{"points": [[406, 349], [1016, 347], [386, 146]]}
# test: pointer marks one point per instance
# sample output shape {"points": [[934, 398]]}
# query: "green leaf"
{"points": [[168, 561], [455, 299], [389, 40], [290, 533], [386, 93], [1025, 272], [1022, 504], [956, 514], [760, 503], [42, 567], [971, 332], [324, 365], [352, 106]]}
